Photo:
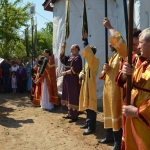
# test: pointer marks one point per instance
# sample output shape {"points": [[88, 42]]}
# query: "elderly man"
{"points": [[71, 86], [137, 60], [137, 120]]}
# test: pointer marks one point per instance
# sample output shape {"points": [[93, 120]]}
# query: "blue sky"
{"points": [[42, 16]]}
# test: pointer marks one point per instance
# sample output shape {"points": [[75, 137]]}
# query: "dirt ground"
{"points": [[25, 127]]}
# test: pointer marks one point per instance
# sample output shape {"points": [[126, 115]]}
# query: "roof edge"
{"points": [[46, 5]]}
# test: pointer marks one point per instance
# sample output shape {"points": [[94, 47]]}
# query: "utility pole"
{"points": [[35, 39], [32, 29], [1, 35], [32, 13], [27, 41]]}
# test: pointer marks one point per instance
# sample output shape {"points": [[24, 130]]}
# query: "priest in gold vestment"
{"points": [[88, 92], [112, 94]]}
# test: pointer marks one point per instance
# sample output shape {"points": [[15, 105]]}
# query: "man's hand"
{"points": [[38, 76], [130, 111], [63, 73], [64, 44], [36, 82], [106, 23], [63, 48], [85, 35], [127, 69], [106, 67], [83, 76]]}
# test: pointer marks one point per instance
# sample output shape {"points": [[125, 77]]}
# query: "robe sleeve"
{"points": [[144, 112], [83, 70], [81, 73], [40, 79], [118, 79], [119, 44], [103, 75], [63, 59], [92, 60], [42, 68], [76, 65]]}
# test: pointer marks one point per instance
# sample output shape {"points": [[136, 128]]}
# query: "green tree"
{"points": [[45, 37], [12, 16]]}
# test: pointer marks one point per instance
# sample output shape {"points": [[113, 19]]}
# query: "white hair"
{"points": [[146, 34]]}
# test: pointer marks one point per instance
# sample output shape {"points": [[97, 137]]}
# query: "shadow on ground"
{"points": [[16, 100]]}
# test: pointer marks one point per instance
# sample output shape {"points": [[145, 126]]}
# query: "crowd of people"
{"points": [[15, 76], [128, 126]]}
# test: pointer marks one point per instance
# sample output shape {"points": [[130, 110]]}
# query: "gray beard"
{"points": [[74, 54]]}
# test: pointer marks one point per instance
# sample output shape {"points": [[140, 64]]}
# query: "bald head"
{"points": [[75, 49]]}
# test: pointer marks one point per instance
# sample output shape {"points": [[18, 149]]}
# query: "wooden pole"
{"points": [[126, 17], [27, 41], [106, 35], [35, 42], [130, 45], [32, 28]]}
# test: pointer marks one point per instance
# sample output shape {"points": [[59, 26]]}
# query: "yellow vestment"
{"points": [[88, 97], [137, 129], [112, 94]]}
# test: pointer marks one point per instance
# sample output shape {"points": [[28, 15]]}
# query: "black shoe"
{"points": [[106, 140], [88, 131], [72, 120], [116, 148], [66, 117], [50, 110], [84, 126]]}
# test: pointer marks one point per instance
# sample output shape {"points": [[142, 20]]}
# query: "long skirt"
{"points": [[45, 102]]}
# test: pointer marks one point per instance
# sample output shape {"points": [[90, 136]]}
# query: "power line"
{"points": [[42, 16]]}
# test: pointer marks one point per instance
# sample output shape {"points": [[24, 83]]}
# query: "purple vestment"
{"points": [[71, 86]]}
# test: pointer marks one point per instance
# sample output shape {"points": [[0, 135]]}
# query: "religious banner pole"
{"points": [[84, 25], [84, 21], [67, 28], [130, 45], [84, 29], [126, 17], [106, 35]]}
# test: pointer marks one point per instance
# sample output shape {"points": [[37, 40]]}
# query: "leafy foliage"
{"points": [[14, 16], [45, 36]]}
